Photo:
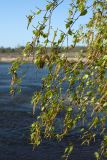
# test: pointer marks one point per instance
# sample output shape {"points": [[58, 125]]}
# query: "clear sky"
{"points": [[13, 21]]}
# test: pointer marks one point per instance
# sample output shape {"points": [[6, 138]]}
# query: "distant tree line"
{"points": [[18, 50], [10, 50]]}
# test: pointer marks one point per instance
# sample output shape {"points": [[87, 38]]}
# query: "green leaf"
{"points": [[97, 155], [38, 12], [105, 57], [85, 76], [36, 32], [30, 17], [69, 109], [105, 104], [66, 149], [46, 41], [68, 24], [70, 32], [45, 35], [83, 13], [70, 149], [49, 94], [49, 6]]}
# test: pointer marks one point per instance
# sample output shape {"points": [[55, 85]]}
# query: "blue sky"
{"points": [[13, 25]]}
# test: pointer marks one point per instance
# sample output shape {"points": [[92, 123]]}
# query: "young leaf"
{"points": [[83, 13]]}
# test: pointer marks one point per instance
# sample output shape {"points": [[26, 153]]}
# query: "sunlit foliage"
{"points": [[82, 104]]}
